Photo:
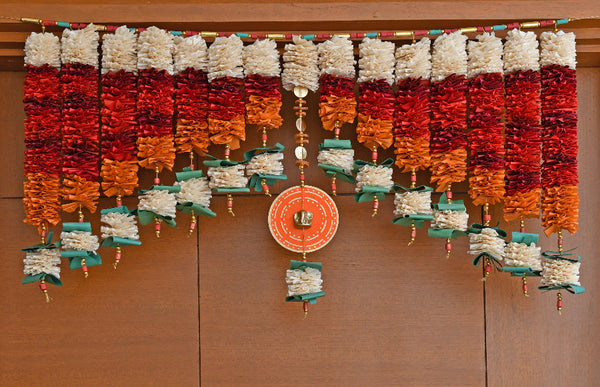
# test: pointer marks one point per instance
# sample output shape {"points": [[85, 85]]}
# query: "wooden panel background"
{"points": [[209, 310]]}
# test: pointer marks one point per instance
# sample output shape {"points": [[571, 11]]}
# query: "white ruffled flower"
{"points": [[558, 48], [194, 190], [159, 201], [521, 52], [412, 203], [42, 261], [449, 56], [485, 55], [225, 177], [41, 49], [307, 281], [300, 65], [376, 61], [119, 225], [414, 60], [523, 255], [155, 50], [336, 57], [119, 51], [560, 272], [79, 240], [80, 46], [225, 58], [266, 164], [488, 242], [262, 58], [341, 158], [190, 52], [374, 176], [456, 220]]}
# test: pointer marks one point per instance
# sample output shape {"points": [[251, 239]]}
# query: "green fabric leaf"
{"points": [[265, 149], [335, 144], [303, 265], [565, 255], [170, 188], [476, 228], [187, 174], [338, 173], [189, 207], [421, 188], [445, 233], [362, 197], [53, 280], [91, 259], [215, 162], [114, 241], [120, 210], [478, 259], [231, 189], [358, 164], [46, 245], [311, 298], [418, 219], [524, 237], [520, 271], [256, 180], [32, 278], [77, 226], [147, 217], [575, 289]]}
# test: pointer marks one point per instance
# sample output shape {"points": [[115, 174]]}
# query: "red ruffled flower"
{"points": [[191, 104], [338, 86]]}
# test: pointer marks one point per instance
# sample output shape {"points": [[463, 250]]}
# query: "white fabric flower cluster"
{"points": [[190, 52], [489, 242], [300, 65], [79, 240], [449, 56], [341, 158], [376, 61], [225, 177], [560, 272], [336, 57], [262, 58], [521, 52], [155, 50], [412, 203], [42, 261], [414, 60], [41, 49], [523, 255], [225, 58], [119, 51], [485, 55], [119, 225], [195, 190], [456, 220], [305, 281], [159, 201], [558, 48], [374, 176], [80, 46], [266, 163]]}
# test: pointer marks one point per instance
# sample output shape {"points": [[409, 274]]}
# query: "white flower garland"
{"points": [[119, 51], [455, 220], [225, 58], [42, 261], [449, 56], [305, 281], [262, 58], [560, 272], [41, 49], [190, 52], [194, 190], [341, 158], [266, 163], [80, 46], [79, 240], [155, 50], [300, 65], [414, 60], [485, 55], [336, 57], [119, 225], [224, 177], [374, 176], [412, 203], [558, 49], [376, 61], [523, 255], [521, 52], [159, 201], [489, 242]]}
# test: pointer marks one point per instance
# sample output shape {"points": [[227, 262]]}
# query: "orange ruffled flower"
{"points": [[79, 192], [156, 151], [448, 167], [486, 186], [41, 200], [560, 209], [336, 108], [263, 112], [524, 204], [374, 132], [119, 177], [228, 131], [412, 153], [192, 135]]}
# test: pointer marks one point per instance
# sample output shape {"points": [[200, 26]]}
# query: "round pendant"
{"points": [[303, 219]]}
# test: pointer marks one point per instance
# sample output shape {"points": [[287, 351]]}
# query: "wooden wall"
{"points": [[209, 309]]}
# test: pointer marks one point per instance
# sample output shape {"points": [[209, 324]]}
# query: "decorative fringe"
{"points": [[456, 220], [341, 158], [266, 164], [159, 201], [42, 49], [560, 272], [374, 176], [449, 56], [227, 177], [412, 203], [225, 58], [520, 52], [119, 225], [305, 281], [523, 255], [79, 240], [119, 51], [42, 261], [300, 65], [80, 46], [195, 190], [262, 58], [487, 242], [376, 61], [336, 57], [155, 50], [190, 53], [413, 60]]}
